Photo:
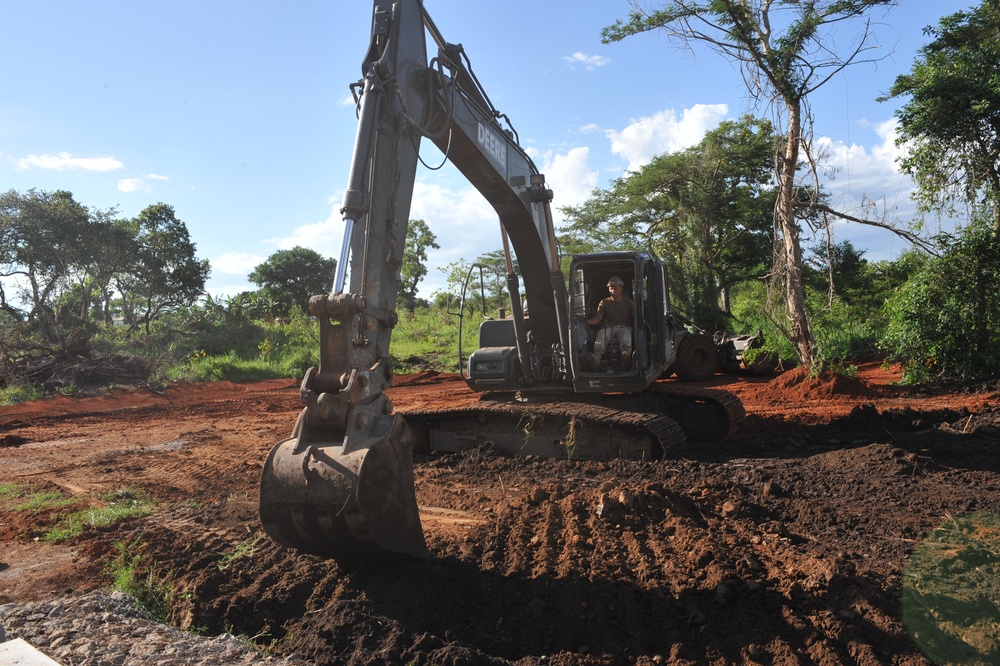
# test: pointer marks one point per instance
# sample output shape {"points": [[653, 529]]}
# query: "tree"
{"points": [[418, 239], [951, 123], [783, 67], [164, 272], [292, 277], [483, 282], [944, 323], [44, 237], [840, 269], [706, 211]]}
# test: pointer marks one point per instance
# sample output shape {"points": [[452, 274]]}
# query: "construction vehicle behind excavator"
{"points": [[342, 484]]}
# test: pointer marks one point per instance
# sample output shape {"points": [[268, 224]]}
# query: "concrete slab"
{"points": [[19, 652]]}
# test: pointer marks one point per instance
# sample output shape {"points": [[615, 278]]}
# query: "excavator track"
{"points": [[706, 414], [656, 423], [575, 430]]}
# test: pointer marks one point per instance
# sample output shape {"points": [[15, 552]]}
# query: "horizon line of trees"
{"points": [[727, 215], [72, 266]]}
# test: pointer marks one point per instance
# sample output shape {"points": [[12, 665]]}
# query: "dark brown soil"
{"points": [[785, 544]]}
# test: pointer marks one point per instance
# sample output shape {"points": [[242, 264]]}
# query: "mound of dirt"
{"points": [[797, 384]]}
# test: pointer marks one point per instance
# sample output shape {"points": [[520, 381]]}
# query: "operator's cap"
{"points": [[616, 281]]}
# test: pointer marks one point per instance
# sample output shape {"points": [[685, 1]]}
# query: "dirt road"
{"points": [[785, 544]]}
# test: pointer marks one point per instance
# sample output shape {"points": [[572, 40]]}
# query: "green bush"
{"points": [[749, 308], [11, 395], [944, 323]]}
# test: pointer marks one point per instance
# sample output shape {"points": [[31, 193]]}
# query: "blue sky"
{"points": [[237, 113]]}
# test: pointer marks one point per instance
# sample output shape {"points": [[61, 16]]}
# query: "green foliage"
{"points": [[484, 281], [850, 323], [428, 339], [944, 323], [291, 277], [12, 395], [126, 503], [706, 211], [247, 352], [418, 239], [135, 574], [840, 339], [950, 125], [164, 273], [750, 305]]}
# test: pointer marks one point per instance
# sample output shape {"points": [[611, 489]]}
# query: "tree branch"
{"points": [[910, 237]]}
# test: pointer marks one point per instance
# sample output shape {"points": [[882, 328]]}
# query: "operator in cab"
{"points": [[616, 313]]}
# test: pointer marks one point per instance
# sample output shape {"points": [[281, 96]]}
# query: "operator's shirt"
{"points": [[617, 313]]}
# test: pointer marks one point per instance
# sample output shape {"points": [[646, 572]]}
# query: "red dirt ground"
{"points": [[785, 544]]}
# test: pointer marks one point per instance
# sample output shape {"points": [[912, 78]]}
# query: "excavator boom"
{"points": [[342, 485]]}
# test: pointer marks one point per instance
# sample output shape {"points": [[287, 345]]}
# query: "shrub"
{"points": [[944, 323]]}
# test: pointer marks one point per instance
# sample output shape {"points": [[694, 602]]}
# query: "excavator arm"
{"points": [[342, 485]]}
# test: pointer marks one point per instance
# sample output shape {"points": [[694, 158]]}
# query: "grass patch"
{"points": [[128, 503], [427, 339], [12, 395], [242, 551], [133, 572], [10, 491], [201, 367], [50, 500]]}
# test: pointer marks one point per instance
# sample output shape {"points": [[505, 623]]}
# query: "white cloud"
{"points": [[570, 177], [64, 161], [237, 263], [855, 171], [132, 185], [663, 132], [139, 184], [464, 223], [323, 237], [590, 62], [865, 181]]}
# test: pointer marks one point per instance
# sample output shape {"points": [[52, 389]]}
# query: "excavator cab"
{"points": [[644, 281]]}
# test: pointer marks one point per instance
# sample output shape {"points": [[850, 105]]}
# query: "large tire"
{"points": [[696, 358]]}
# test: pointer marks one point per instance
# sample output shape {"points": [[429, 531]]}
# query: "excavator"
{"points": [[342, 485]]}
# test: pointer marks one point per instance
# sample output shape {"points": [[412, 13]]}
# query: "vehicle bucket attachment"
{"points": [[350, 498]]}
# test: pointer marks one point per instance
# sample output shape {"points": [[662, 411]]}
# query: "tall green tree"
{"points": [[418, 239], [164, 272], [292, 277], [950, 123], [786, 49], [44, 238], [706, 211]]}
